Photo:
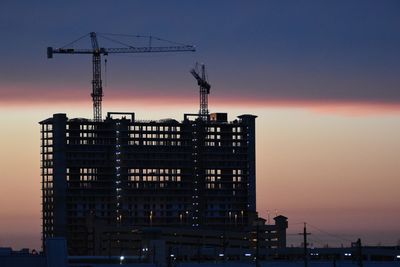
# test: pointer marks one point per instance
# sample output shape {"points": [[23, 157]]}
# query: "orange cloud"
{"points": [[14, 96]]}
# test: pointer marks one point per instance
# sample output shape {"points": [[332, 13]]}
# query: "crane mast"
{"points": [[96, 51], [97, 88], [204, 86]]}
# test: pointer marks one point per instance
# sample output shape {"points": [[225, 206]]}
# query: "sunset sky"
{"points": [[323, 77]]}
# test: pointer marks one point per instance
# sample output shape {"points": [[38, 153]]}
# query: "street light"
{"points": [[151, 218]]}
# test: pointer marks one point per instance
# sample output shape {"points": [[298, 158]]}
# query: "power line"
{"points": [[329, 234]]}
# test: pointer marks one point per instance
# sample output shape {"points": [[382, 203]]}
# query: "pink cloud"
{"points": [[34, 96]]}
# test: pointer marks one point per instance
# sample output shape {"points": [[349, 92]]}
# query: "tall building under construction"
{"points": [[120, 186], [122, 175]]}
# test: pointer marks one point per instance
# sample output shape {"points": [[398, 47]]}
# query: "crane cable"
{"points": [[142, 36], [115, 41], [73, 42], [105, 71]]}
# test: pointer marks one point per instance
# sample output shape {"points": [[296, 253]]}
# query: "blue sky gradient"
{"points": [[269, 50]]}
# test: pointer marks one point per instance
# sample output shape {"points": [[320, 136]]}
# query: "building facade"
{"points": [[126, 173]]}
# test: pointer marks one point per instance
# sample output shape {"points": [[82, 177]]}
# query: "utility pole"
{"points": [[224, 244], [305, 234], [359, 253], [258, 245]]}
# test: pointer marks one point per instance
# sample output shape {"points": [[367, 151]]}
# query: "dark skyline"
{"points": [[323, 78]]}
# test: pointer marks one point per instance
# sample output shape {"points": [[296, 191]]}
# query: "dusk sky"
{"points": [[323, 77]]}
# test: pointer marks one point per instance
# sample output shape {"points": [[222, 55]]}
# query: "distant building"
{"points": [[119, 175], [156, 255], [21, 258]]}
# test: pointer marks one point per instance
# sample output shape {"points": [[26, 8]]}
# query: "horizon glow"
{"points": [[298, 151]]}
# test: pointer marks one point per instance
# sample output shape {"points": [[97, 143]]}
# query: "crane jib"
{"points": [[51, 50], [96, 51]]}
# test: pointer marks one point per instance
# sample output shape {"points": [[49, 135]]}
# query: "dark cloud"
{"points": [[282, 50]]}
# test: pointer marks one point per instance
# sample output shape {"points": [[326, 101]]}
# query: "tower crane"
{"points": [[205, 87], [96, 51]]}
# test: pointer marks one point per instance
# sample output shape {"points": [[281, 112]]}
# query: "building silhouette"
{"points": [[110, 186]]}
